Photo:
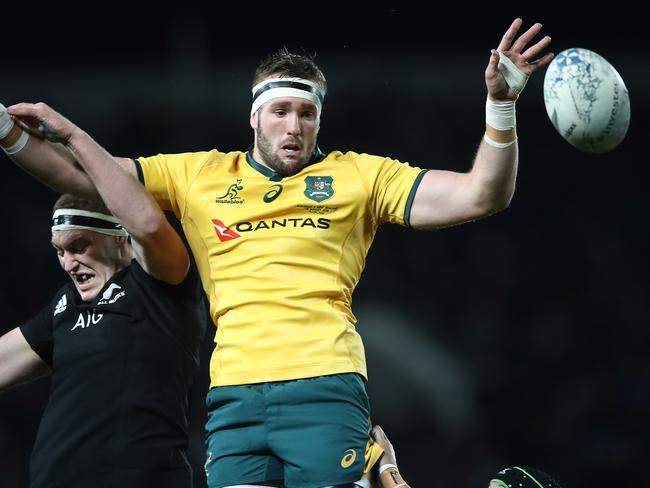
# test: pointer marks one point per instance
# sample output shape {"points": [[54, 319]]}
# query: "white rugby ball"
{"points": [[586, 100]]}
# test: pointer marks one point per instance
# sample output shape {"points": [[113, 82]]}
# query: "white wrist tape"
{"points": [[386, 466], [363, 483], [500, 145], [10, 131], [500, 114], [6, 122], [18, 145], [514, 77]]}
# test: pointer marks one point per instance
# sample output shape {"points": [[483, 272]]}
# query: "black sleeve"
{"points": [[39, 336], [189, 288]]}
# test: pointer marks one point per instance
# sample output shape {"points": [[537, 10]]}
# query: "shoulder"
{"points": [[220, 161], [184, 167], [353, 158], [190, 287], [68, 293], [198, 158]]}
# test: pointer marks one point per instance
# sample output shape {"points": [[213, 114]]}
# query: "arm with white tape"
{"points": [[12, 137], [446, 198], [506, 75], [157, 246], [50, 163]]}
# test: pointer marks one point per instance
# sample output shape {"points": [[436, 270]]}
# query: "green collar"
{"points": [[316, 157]]}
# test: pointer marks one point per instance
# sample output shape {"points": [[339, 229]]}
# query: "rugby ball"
{"points": [[586, 100]]}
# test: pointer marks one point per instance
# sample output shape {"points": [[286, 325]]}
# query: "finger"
{"points": [[526, 37], [537, 48], [30, 125], [378, 434], [507, 38], [23, 110], [541, 62], [493, 63]]}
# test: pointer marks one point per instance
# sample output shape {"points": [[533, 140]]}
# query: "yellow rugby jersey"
{"points": [[280, 256]]}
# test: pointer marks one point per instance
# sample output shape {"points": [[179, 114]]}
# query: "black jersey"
{"points": [[122, 368]]}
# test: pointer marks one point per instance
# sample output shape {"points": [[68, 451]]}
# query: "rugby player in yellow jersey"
{"points": [[280, 234]]}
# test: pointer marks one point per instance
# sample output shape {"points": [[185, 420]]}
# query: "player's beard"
{"points": [[273, 161]]}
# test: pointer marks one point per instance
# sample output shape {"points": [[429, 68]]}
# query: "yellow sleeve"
{"points": [[391, 187], [168, 176]]}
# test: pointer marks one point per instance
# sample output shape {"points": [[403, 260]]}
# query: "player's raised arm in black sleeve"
{"points": [[157, 246]]}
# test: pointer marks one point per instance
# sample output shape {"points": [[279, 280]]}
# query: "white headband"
{"points": [[70, 218], [286, 87]]}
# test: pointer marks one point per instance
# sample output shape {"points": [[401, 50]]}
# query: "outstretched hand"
{"points": [[43, 121], [524, 59]]}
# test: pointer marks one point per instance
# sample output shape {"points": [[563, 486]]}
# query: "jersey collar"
{"points": [[316, 157]]}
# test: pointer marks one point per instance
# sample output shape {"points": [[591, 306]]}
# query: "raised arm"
{"points": [[18, 362], [50, 163], [157, 245], [447, 198]]}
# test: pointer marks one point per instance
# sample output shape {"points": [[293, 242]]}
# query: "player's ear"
{"points": [[253, 119]]}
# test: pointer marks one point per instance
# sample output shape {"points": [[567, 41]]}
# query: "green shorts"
{"points": [[308, 433]]}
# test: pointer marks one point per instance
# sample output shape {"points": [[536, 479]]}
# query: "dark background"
{"points": [[520, 339]]}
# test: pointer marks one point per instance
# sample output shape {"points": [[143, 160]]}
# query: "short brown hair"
{"points": [[72, 201], [292, 65]]}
